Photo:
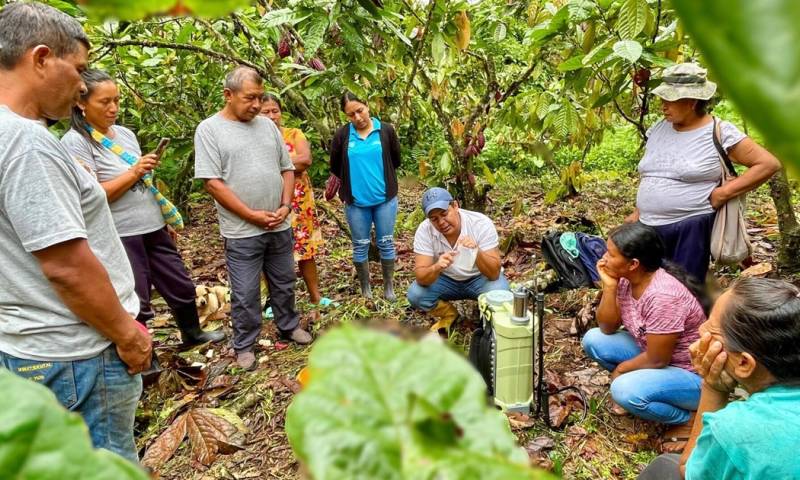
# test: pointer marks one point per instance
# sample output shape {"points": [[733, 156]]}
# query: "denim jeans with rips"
{"points": [[100, 389], [361, 219]]}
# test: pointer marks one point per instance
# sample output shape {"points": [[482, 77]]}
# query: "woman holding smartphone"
{"points": [[143, 218]]}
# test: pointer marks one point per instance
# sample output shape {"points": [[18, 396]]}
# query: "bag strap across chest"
{"points": [[723, 155]]}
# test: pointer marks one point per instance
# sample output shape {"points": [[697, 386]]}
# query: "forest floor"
{"points": [[601, 445]]}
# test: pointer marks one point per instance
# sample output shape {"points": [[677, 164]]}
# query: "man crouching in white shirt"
{"points": [[456, 258]]}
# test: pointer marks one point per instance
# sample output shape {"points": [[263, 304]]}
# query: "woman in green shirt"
{"points": [[752, 339]]}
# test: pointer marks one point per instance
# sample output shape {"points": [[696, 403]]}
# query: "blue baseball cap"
{"points": [[434, 198]]}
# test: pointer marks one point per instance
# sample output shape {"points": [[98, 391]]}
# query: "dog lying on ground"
{"points": [[212, 302]]}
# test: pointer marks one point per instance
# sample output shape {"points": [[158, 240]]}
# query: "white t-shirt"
{"points": [[430, 242], [679, 170]]}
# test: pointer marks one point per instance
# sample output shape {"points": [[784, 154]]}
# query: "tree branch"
{"points": [[295, 98], [442, 116], [192, 48], [417, 54]]}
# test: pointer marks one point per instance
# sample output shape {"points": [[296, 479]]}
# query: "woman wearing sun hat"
{"points": [[680, 172]]}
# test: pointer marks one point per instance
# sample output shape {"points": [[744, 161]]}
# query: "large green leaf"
{"points": [[565, 121], [40, 440], [632, 18], [570, 64], [379, 407], [753, 49], [315, 34], [630, 50]]}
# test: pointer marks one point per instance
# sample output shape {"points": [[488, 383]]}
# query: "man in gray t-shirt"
{"points": [[67, 301], [246, 168]]}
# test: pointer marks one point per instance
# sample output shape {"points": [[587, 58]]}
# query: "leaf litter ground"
{"points": [[206, 419]]}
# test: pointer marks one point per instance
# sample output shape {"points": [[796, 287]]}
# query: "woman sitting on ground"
{"points": [[752, 339], [661, 309], [113, 154]]}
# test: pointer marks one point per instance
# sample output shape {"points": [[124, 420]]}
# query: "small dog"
{"points": [[212, 302]]}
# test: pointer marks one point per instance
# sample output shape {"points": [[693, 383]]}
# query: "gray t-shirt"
{"points": [[249, 157], [136, 212], [679, 170], [47, 198]]}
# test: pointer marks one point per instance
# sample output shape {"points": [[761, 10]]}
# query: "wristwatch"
{"points": [[288, 207]]}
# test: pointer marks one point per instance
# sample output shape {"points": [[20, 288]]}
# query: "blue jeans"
{"points": [[99, 389], [445, 288], [665, 395], [361, 220]]}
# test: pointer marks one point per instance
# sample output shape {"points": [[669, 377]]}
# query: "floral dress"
{"points": [[307, 235]]}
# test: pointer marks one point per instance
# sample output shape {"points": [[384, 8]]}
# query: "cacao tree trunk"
{"points": [[469, 194], [789, 245]]}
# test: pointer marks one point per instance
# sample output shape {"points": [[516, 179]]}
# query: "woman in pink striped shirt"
{"points": [[661, 309]]}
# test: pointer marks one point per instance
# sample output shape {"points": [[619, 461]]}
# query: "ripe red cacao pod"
{"points": [[284, 48], [641, 77]]}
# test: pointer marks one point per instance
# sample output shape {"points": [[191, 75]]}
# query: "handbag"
{"points": [[730, 243], [332, 186]]}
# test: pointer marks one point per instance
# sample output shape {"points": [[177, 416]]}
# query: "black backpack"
{"points": [[570, 270]]}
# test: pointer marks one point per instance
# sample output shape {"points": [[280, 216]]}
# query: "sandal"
{"points": [[616, 409], [327, 302], [675, 438]]}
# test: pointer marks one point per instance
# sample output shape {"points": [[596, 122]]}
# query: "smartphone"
{"points": [[162, 145]]}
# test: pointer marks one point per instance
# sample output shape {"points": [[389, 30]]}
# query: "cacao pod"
{"points": [[284, 48], [471, 151], [463, 33], [641, 77], [317, 64], [498, 95], [471, 179], [481, 141]]}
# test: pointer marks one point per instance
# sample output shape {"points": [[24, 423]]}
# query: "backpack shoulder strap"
{"points": [[723, 155]]}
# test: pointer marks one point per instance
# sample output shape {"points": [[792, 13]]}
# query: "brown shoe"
{"points": [[246, 360], [300, 336]]}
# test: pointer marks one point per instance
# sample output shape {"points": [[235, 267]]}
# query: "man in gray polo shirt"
{"points": [[67, 302], [243, 160]]}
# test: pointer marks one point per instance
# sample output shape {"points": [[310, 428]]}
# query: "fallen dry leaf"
{"points": [[558, 411], [757, 270], [210, 435], [519, 420], [540, 444], [164, 447]]}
